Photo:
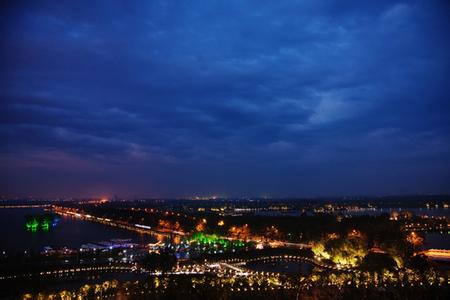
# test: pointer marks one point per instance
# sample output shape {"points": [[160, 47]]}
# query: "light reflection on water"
{"points": [[70, 232], [432, 212]]}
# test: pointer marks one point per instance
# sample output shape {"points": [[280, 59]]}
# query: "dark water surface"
{"points": [[432, 212], [285, 267], [69, 232], [437, 240]]}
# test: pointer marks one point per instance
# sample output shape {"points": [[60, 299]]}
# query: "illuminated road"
{"points": [[120, 224], [26, 206], [242, 262], [437, 254], [225, 268], [76, 270], [237, 266], [238, 270], [151, 231]]}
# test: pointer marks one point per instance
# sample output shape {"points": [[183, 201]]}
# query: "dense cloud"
{"points": [[175, 98]]}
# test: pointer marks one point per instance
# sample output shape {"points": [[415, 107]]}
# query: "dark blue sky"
{"points": [[234, 98]]}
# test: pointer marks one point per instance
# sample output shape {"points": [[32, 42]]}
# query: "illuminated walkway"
{"points": [[243, 262], [120, 224], [76, 270], [151, 231], [239, 270], [437, 254]]}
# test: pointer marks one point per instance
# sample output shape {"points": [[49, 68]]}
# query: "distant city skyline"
{"points": [[234, 98]]}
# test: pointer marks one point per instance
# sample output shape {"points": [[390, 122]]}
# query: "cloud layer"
{"points": [[163, 98]]}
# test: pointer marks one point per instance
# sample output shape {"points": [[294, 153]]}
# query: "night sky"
{"points": [[229, 98]]}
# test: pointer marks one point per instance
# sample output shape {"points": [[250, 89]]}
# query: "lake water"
{"points": [[432, 212], [435, 240], [284, 267], [69, 232]]}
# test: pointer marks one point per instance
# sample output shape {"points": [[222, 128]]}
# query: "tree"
{"points": [[347, 251], [419, 262], [378, 261], [163, 262], [415, 239], [240, 232]]}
